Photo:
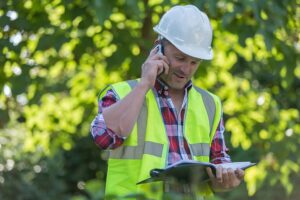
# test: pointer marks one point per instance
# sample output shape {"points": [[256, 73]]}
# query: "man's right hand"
{"points": [[121, 116], [155, 64]]}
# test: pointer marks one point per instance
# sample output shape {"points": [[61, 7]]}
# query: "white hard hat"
{"points": [[188, 29]]}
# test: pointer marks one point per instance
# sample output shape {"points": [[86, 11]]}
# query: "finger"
{"points": [[160, 69], [231, 175], [163, 57], [158, 56], [233, 181], [165, 62], [240, 174], [225, 175], [163, 67], [166, 67], [210, 173], [219, 172], [153, 52]]}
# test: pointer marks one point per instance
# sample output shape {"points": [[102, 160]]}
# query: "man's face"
{"points": [[182, 67]]}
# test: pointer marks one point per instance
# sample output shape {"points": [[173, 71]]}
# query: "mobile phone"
{"points": [[160, 51], [160, 48]]}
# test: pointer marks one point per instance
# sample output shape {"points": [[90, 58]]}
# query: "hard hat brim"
{"points": [[196, 53]]}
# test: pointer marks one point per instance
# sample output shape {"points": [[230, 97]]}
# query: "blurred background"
{"points": [[56, 56]]}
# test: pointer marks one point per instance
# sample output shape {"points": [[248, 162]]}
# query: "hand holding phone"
{"points": [[154, 65]]}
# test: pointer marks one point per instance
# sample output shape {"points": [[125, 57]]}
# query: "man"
{"points": [[162, 117]]}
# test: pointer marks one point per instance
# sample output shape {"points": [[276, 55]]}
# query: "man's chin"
{"points": [[176, 86]]}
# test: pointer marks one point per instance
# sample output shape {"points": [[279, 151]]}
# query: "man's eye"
{"points": [[179, 58]]}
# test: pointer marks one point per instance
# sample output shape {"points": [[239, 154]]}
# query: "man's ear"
{"points": [[156, 42]]}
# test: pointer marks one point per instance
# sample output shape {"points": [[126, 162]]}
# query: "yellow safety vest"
{"points": [[147, 146]]}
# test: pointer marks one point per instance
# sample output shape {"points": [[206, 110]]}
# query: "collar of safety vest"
{"points": [[163, 89]]}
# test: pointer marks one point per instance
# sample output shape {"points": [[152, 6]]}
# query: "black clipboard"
{"points": [[186, 171]]}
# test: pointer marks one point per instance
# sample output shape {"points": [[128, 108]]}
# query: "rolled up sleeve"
{"points": [[104, 137], [218, 150]]}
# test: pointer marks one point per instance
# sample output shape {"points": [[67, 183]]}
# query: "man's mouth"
{"points": [[179, 75]]}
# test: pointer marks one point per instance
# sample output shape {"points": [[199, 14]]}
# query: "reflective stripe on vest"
{"points": [[209, 105], [156, 149]]}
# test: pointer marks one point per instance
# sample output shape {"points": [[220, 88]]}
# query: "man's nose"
{"points": [[186, 68]]}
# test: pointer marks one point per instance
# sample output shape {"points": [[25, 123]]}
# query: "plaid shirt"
{"points": [[173, 120]]}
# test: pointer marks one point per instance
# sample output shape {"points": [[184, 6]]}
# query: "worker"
{"points": [[162, 117]]}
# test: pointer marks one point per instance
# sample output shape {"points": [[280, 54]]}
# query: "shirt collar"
{"points": [[163, 89]]}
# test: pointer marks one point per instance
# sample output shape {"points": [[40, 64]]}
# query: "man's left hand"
{"points": [[225, 179]]}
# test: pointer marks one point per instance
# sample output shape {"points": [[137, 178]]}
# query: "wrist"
{"points": [[144, 85]]}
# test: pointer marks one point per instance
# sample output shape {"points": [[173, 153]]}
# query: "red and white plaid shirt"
{"points": [[178, 149]]}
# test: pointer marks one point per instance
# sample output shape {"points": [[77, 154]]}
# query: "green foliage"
{"points": [[57, 55]]}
